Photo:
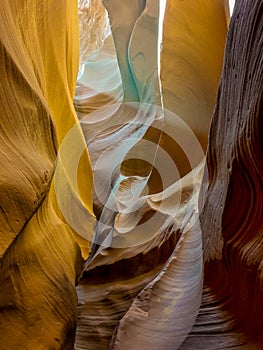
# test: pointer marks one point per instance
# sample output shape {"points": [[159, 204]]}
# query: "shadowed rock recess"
{"points": [[131, 177]]}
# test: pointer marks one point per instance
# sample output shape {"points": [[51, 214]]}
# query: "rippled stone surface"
{"points": [[144, 275], [40, 259], [172, 258], [232, 215]]}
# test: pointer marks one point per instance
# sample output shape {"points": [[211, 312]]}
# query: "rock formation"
{"points": [[172, 257], [39, 254]]}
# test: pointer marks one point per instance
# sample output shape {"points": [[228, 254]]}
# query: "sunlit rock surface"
{"points": [[159, 317], [191, 60], [93, 27], [175, 260], [40, 259], [145, 268]]}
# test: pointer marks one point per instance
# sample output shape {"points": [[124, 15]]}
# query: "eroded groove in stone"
{"points": [[120, 220], [232, 216], [40, 259], [141, 286]]}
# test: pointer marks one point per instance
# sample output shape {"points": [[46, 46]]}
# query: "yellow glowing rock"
{"points": [[40, 257], [194, 36], [39, 53], [38, 274]]}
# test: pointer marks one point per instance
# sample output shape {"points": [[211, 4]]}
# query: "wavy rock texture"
{"points": [[100, 83], [140, 278], [232, 216], [40, 259], [152, 314], [119, 276], [191, 60], [93, 27], [156, 277]]}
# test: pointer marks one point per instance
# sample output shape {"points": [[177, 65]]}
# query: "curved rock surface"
{"points": [[221, 321], [232, 215], [167, 220], [40, 259], [176, 258], [191, 60]]}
